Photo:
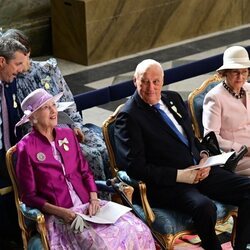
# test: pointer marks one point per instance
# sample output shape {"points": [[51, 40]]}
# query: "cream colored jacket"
{"points": [[229, 118]]}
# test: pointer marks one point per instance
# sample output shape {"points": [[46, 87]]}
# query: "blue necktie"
{"points": [[171, 124]]}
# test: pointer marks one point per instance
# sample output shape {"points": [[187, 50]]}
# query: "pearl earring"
{"points": [[34, 121]]}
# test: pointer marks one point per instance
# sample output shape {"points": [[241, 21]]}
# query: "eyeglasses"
{"points": [[235, 72]]}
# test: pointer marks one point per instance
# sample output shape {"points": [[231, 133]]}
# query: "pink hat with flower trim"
{"points": [[34, 101]]}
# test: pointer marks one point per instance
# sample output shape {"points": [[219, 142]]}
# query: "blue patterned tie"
{"points": [[171, 124]]}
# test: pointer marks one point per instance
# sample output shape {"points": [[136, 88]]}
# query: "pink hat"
{"points": [[34, 101]]}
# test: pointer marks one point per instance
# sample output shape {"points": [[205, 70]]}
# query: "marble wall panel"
{"points": [[32, 17], [117, 28], [246, 11], [13, 12], [101, 30]]}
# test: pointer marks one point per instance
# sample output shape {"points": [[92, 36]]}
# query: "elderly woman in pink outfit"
{"points": [[54, 177], [226, 108]]}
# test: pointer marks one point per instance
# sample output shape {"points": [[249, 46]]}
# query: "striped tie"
{"points": [[5, 119]]}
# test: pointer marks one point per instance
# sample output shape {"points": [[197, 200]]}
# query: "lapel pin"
{"points": [[40, 156]]}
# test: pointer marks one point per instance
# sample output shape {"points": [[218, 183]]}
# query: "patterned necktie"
{"points": [[5, 119], [171, 124]]}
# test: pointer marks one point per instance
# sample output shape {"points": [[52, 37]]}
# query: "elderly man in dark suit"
{"points": [[157, 151]]}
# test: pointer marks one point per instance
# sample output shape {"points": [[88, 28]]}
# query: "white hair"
{"points": [[143, 66]]}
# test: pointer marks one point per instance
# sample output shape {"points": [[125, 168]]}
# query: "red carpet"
{"points": [[191, 242]]}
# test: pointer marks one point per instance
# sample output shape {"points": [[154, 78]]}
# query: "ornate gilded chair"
{"points": [[195, 103], [167, 224], [31, 221]]}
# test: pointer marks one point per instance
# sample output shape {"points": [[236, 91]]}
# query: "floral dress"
{"points": [[47, 75], [127, 233]]}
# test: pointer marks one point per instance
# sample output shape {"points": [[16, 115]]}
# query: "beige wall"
{"points": [[115, 28], [31, 16], [93, 31]]}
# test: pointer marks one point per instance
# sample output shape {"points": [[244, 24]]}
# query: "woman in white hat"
{"points": [[226, 108], [54, 177]]}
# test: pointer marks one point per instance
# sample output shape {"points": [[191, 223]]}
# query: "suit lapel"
{"points": [[173, 108], [152, 114]]}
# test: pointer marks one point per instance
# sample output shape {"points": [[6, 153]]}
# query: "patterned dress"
{"points": [[128, 233], [47, 75]]}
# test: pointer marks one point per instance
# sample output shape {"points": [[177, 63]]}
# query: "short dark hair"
{"points": [[9, 46], [19, 36]]}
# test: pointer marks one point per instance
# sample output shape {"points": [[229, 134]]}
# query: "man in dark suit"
{"points": [[12, 56], [158, 152]]}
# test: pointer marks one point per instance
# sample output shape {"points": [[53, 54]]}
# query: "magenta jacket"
{"points": [[40, 176]]}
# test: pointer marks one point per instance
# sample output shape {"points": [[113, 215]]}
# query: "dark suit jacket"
{"points": [[148, 148]]}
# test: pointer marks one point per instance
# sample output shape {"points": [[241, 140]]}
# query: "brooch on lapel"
{"points": [[175, 109], [63, 143], [40, 156]]}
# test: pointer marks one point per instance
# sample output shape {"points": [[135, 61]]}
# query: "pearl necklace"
{"points": [[237, 96]]}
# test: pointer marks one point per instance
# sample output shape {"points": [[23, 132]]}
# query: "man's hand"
{"points": [[79, 135], [202, 174], [186, 176], [196, 175]]}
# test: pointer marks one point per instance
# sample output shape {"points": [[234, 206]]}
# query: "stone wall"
{"points": [[31, 16], [94, 31], [114, 28]]}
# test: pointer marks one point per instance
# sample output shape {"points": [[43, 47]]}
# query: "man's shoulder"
{"points": [[170, 93]]}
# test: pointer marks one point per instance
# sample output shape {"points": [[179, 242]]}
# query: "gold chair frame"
{"points": [[39, 219], [191, 97], [167, 239]]}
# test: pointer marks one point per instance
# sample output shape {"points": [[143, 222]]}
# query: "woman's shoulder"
{"points": [[217, 90], [247, 86], [49, 64], [26, 140], [64, 131]]}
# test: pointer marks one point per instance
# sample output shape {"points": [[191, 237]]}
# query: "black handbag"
{"points": [[210, 142]]}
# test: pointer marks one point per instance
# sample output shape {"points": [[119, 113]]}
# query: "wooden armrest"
{"points": [[150, 216], [123, 176], [37, 216]]}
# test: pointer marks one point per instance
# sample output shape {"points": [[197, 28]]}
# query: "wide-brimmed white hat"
{"points": [[235, 57], [34, 101]]}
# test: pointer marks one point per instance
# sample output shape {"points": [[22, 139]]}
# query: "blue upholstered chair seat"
{"points": [[169, 221]]}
